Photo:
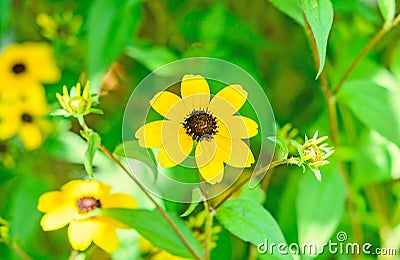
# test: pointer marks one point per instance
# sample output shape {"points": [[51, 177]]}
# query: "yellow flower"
{"points": [[70, 206], [76, 103], [32, 61], [63, 27], [195, 120], [26, 119], [149, 251]]}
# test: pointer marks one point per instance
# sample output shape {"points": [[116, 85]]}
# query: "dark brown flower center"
{"points": [[27, 118], [200, 124], [19, 68], [87, 204]]}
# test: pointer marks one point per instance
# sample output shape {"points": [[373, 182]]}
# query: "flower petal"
{"points": [[105, 237], [82, 188], [81, 233], [118, 200], [228, 101], [241, 155], [49, 201], [31, 136], [164, 101], [149, 135], [58, 218], [211, 166], [237, 127], [176, 147], [195, 92]]}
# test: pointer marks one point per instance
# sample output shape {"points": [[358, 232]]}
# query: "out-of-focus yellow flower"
{"points": [[151, 252], [195, 119], [26, 120], [6, 158], [76, 103], [70, 206], [63, 26], [27, 61]]}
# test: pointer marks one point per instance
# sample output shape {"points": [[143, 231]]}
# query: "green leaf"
{"points": [[291, 8], [111, 25], [374, 105], [377, 161], [132, 150], [151, 57], [251, 222], [319, 15], [281, 142], [5, 17], [94, 141], [197, 196], [318, 212], [152, 226], [388, 9]]}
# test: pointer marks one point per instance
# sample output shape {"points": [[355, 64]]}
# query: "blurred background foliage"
{"points": [[116, 44]]}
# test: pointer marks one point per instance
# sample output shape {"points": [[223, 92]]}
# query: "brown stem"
{"points": [[334, 129], [382, 32], [158, 207]]}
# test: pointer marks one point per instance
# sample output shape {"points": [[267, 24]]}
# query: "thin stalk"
{"points": [[382, 32], [17, 249], [255, 174], [158, 207], [209, 224], [334, 129]]}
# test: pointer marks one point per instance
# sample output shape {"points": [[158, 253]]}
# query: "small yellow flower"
{"points": [[32, 61], [313, 153], [149, 251], [63, 27], [26, 120], [70, 206], [212, 126], [76, 103]]}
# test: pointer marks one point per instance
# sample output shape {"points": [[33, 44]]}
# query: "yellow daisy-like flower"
{"points": [[195, 119], [32, 61], [63, 26], [26, 120], [70, 206]]}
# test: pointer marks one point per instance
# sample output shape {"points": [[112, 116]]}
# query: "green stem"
{"points": [[255, 174], [82, 123], [334, 129], [385, 29], [131, 176], [209, 224], [17, 249], [158, 207]]}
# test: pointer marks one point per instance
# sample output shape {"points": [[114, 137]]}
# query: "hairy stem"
{"points": [[364, 52]]}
